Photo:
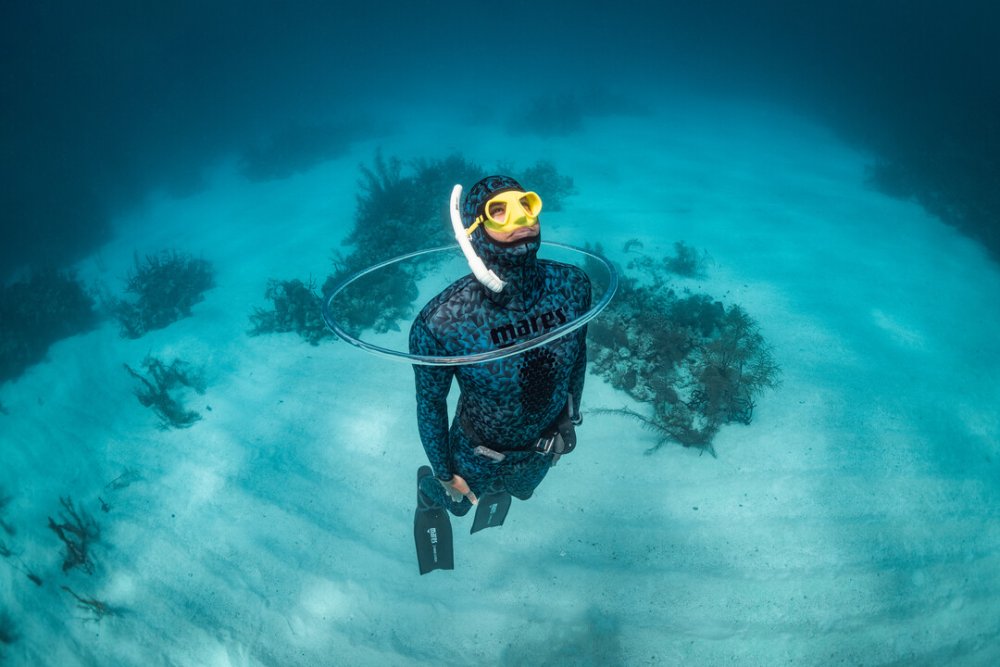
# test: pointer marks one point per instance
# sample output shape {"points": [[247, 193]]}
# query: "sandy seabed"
{"points": [[854, 521]]}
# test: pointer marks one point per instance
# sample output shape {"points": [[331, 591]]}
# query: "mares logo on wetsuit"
{"points": [[508, 334]]}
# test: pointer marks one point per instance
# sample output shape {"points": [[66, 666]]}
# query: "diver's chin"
{"points": [[523, 233], [516, 241], [518, 237]]}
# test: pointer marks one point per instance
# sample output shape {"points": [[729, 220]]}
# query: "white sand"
{"points": [[853, 522]]}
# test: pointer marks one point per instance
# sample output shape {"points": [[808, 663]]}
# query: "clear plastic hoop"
{"points": [[479, 357]]}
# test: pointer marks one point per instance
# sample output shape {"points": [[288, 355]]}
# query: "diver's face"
{"points": [[515, 235], [511, 216]]}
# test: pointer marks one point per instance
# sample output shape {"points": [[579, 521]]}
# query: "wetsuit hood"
{"points": [[516, 262]]}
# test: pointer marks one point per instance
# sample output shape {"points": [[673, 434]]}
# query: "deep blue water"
{"points": [[103, 103]]}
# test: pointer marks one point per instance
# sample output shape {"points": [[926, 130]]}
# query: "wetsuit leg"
{"points": [[523, 471], [518, 474], [484, 475]]}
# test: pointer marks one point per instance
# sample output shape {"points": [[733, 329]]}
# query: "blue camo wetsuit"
{"points": [[506, 404]]}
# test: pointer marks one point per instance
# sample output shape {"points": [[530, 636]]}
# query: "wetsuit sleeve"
{"points": [[433, 383]]}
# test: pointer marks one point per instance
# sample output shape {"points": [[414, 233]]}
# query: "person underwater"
{"points": [[516, 415]]}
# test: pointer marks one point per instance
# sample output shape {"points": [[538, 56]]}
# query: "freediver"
{"points": [[515, 416]]}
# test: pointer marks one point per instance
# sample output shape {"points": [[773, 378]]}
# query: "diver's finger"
{"points": [[472, 498]]}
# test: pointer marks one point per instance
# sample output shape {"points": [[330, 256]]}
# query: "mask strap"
{"points": [[472, 228]]}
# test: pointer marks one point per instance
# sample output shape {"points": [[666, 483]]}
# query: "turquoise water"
{"points": [[852, 521]]}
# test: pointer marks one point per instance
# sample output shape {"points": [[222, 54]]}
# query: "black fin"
{"points": [[491, 510], [432, 533]]}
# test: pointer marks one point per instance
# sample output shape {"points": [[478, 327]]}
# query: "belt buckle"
{"points": [[544, 445]]}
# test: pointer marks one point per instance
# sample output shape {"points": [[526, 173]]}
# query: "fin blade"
{"points": [[491, 511], [432, 534]]}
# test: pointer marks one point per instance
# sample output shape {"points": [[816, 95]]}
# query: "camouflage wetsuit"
{"points": [[504, 405]]}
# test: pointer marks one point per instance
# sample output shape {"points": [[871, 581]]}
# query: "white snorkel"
{"points": [[484, 275]]}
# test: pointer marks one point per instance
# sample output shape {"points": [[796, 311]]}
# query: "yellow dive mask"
{"points": [[508, 211]]}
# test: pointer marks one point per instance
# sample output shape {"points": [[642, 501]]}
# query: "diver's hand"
{"points": [[458, 488]]}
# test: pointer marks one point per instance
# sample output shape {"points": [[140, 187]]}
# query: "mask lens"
{"points": [[497, 211], [532, 204]]}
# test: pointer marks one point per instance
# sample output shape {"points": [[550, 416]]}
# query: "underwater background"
{"points": [[193, 471]]}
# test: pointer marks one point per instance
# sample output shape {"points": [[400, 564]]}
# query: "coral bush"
{"points": [[686, 261], [161, 390], [295, 307], [37, 312], [78, 531], [699, 363], [398, 211], [401, 208], [378, 301], [95, 609], [161, 289]]}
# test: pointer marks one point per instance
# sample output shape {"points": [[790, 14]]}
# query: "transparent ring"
{"points": [[479, 357]]}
